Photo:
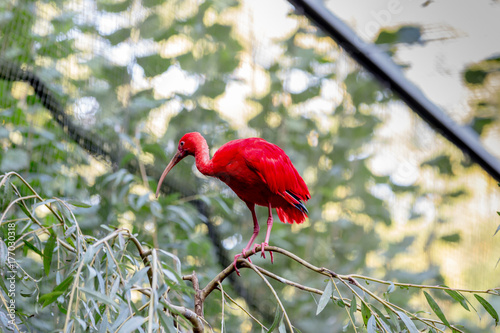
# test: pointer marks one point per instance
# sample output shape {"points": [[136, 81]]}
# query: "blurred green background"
{"points": [[391, 198]]}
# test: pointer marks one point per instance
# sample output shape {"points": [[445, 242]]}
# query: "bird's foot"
{"points": [[234, 263], [263, 255], [242, 254]]}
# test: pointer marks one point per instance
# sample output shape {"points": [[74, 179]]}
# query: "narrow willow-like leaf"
{"points": [[327, 294], [394, 319], [276, 321], [353, 309], [371, 325], [4, 253], [47, 253], [78, 204], [32, 247], [488, 307], [457, 297], [91, 250], [63, 286], [136, 278], [365, 312], [99, 297], [282, 328], [49, 298], [166, 321], [437, 310], [498, 229], [407, 321], [132, 324], [384, 320]]}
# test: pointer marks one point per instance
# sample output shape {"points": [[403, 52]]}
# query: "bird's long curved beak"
{"points": [[176, 159]]}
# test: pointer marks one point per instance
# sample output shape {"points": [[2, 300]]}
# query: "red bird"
{"points": [[259, 172]]}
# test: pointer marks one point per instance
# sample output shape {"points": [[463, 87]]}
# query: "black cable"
{"points": [[383, 68]]}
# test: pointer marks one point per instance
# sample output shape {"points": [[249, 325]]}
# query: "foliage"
{"points": [[116, 283], [119, 85]]}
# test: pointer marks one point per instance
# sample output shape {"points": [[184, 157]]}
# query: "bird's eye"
{"points": [[182, 143]]}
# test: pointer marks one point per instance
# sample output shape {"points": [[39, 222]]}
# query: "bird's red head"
{"points": [[187, 146]]}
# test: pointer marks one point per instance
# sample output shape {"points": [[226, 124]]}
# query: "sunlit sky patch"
{"points": [[472, 29]]}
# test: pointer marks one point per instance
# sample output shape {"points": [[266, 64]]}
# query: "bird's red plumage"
{"points": [[259, 172]]}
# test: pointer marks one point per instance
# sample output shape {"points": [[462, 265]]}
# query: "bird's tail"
{"points": [[291, 214]]}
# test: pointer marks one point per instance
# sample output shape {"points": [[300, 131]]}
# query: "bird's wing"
{"points": [[274, 167]]}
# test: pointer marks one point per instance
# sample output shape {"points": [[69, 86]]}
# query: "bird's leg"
{"points": [[256, 230], [268, 233]]}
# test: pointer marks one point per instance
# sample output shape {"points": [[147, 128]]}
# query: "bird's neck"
{"points": [[202, 156]]}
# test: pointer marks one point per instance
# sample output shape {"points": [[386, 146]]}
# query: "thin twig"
{"points": [[418, 286], [254, 268], [153, 264], [345, 307], [223, 300], [243, 309]]}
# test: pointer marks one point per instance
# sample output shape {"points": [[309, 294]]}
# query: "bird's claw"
{"points": [[234, 263], [263, 253], [242, 254]]}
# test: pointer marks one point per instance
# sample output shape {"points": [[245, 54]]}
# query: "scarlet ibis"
{"points": [[259, 172]]}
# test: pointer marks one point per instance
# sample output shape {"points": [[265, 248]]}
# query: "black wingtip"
{"points": [[300, 206]]}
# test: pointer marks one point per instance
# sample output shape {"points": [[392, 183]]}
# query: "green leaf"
{"points": [[371, 325], [437, 310], [151, 3], [275, 321], [442, 163], [406, 34], [309, 93], [457, 297], [407, 321], [151, 26], [327, 294], [153, 64], [282, 328], [113, 6], [365, 312], [475, 76], [118, 36], [100, 297], [55, 48], [33, 248], [87, 257], [63, 286], [452, 238], [47, 253], [132, 324], [394, 319], [4, 253], [138, 276], [14, 160], [488, 307], [49, 298], [479, 123], [353, 309], [384, 320], [166, 321], [78, 204]]}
